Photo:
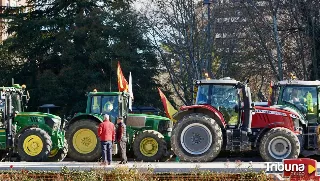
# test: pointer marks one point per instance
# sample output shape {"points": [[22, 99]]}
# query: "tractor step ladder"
{"points": [[312, 137], [237, 140]]}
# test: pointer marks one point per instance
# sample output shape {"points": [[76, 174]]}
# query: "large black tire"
{"points": [[90, 148], [60, 155], [149, 138], [201, 150], [38, 136], [286, 141]]}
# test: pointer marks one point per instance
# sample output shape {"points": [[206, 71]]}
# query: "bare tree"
{"points": [[178, 30]]}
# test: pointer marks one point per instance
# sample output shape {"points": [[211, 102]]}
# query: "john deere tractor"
{"points": [[32, 136], [148, 135], [303, 99]]}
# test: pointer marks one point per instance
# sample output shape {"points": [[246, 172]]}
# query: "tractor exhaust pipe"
{"points": [[9, 122], [247, 101]]}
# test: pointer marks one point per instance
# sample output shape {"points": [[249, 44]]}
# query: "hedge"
{"points": [[127, 174]]}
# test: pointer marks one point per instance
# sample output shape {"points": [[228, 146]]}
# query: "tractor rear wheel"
{"points": [[83, 141], [196, 138], [149, 146], [58, 155], [278, 144], [34, 145]]}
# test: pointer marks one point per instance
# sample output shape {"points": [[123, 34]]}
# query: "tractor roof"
{"points": [[299, 82], [226, 81]]}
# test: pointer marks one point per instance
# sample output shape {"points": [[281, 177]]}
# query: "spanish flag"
{"points": [[122, 82], [169, 109]]}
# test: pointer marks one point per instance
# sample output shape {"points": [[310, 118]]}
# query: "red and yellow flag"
{"points": [[122, 82], [169, 109]]}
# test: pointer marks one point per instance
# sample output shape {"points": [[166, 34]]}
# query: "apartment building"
{"points": [[6, 4], [229, 29]]}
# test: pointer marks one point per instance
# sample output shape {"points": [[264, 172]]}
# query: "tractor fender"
{"points": [[265, 129], [205, 109], [154, 131], [85, 116], [25, 128]]}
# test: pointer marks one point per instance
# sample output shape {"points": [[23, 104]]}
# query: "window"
{"points": [[303, 98], [222, 97], [105, 105], [95, 104]]}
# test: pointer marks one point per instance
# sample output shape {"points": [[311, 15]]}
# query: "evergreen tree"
{"points": [[70, 47]]}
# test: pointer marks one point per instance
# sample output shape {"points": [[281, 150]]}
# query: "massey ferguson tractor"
{"points": [[31, 136], [148, 135], [223, 118], [301, 98]]}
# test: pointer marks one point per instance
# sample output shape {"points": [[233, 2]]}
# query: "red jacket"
{"points": [[106, 131]]}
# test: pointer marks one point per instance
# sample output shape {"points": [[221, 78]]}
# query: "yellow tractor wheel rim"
{"points": [[84, 141], [53, 153], [149, 147], [33, 145]]}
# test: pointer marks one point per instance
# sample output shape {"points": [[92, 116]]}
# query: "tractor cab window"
{"points": [[222, 97], [110, 106], [125, 106], [95, 104], [202, 94], [105, 105], [16, 102], [303, 98]]}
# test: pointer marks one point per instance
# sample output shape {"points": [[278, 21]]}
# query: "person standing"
{"points": [[25, 96], [106, 133], [122, 140]]}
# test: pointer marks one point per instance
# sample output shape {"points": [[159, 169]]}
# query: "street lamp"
{"points": [[209, 64]]}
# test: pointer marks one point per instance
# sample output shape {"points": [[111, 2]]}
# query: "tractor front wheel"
{"points": [[58, 155], [83, 141], [34, 144], [278, 144], [196, 138], [149, 146]]}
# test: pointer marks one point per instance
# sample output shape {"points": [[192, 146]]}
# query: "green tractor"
{"points": [[148, 135], [31, 136], [302, 98]]}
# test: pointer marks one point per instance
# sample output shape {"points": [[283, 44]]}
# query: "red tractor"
{"points": [[224, 118]]}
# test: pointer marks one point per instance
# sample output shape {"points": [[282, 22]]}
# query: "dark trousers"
{"points": [[106, 147], [123, 150]]}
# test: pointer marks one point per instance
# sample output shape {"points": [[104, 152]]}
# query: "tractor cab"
{"points": [[114, 104], [226, 95], [299, 96]]}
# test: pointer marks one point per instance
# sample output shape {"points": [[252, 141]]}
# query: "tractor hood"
{"points": [[291, 110], [38, 114], [276, 111], [144, 120]]}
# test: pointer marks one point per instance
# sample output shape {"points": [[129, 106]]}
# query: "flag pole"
{"points": [[110, 73]]}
